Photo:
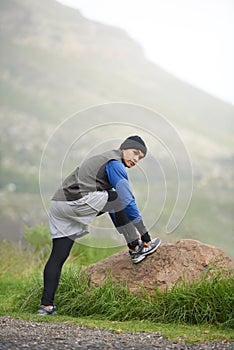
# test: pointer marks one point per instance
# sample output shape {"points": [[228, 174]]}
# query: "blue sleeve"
{"points": [[118, 178]]}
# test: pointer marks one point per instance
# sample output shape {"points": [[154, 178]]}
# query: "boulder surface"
{"points": [[186, 259]]}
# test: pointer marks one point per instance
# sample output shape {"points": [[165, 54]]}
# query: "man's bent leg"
{"points": [[120, 219]]}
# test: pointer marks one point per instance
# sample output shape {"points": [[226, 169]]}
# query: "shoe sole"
{"points": [[144, 255], [47, 314], [44, 312], [139, 259]]}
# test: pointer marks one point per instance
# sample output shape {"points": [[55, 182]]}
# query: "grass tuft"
{"points": [[202, 302], [207, 304]]}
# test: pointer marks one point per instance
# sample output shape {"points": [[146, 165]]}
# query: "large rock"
{"points": [[187, 259]]}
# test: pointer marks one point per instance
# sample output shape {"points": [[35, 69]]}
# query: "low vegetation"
{"points": [[206, 305]]}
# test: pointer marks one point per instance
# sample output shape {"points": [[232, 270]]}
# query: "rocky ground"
{"points": [[19, 334]]}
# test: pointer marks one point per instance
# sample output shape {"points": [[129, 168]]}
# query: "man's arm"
{"points": [[118, 178]]}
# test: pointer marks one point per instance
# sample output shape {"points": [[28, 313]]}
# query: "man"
{"points": [[100, 184]]}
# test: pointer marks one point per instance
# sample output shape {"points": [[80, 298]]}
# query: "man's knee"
{"points": [[112, 196]]}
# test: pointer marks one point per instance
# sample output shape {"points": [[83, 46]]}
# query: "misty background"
{"points": [[56, 63], [188, 38]]}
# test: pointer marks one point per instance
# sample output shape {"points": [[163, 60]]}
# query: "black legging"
{"points": [[60, 252], [122, 222], [62, 247]]}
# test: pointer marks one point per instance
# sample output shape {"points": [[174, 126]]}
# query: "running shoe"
{"points": [[142, 251], [42, 311]]}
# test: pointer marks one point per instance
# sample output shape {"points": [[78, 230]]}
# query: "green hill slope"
{"points": [[54, 62]]}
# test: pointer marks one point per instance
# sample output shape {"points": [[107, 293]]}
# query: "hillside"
{"points": [[54, 62]]}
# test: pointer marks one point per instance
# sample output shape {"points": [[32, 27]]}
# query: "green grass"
{"points": [[107, 307], [202, 302], [199, 311]]}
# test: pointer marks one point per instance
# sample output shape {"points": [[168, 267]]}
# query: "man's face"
{"points": [[132, 156]]}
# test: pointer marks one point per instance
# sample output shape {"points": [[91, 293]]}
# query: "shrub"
{"points": [[38, 238]]}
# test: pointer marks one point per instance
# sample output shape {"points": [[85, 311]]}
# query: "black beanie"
{"points": [[135, 142]]}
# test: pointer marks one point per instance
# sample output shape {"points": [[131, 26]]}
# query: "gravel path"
{"points": [[18, 334]]}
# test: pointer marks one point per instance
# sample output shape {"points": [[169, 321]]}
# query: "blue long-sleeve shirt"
{"points": [[118, 178]]}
